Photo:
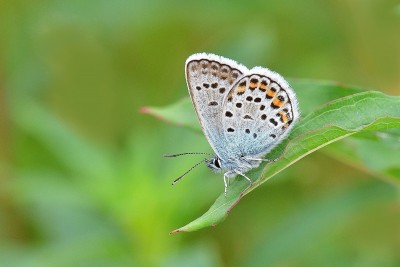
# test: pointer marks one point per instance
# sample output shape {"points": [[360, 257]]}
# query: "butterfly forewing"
{"points": [[258, 112], [209, 79]]}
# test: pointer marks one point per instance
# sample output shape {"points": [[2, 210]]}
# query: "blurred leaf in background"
{"points": [[82, 180]]}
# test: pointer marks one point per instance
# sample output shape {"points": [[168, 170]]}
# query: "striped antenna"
{"points": [[187, 153], [180, 177]]}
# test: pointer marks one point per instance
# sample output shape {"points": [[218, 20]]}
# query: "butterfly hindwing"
{"points": [[209, 79], [258, 113]]}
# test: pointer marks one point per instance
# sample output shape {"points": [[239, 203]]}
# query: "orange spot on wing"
{"points": [[253, 85], [285, 126], [241, 89], [284, 117], [277, 102], [271, 93], [263, 86]]}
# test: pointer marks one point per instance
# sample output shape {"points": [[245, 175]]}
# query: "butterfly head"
{"points": [[214, 163]]}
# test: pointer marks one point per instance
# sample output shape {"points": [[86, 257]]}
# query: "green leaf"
{"points": [[354, 112], [180, 113], [376, 153], [313, 94]]}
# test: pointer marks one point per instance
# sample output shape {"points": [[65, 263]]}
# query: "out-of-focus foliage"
{"points": [[82, 180]]}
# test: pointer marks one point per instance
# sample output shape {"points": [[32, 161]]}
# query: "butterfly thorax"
{"points": [[241, 164]]}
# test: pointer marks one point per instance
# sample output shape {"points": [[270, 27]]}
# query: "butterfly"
{"points": [[243, 113]]}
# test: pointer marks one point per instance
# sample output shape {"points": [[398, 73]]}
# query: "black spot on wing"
{"points": [[273, 121]]}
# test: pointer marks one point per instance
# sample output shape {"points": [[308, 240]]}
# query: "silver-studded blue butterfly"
{"points": [[244, 113]]}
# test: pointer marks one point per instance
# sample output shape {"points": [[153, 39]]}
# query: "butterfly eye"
{"points": [[216, 163]]}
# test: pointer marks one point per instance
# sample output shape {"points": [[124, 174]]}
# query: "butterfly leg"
{"points": [[267, 160], [247, 178], [227, 176], [226, 179]]}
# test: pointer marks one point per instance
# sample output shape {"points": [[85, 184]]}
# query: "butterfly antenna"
{"points": [[180, 177], [188, 153]]}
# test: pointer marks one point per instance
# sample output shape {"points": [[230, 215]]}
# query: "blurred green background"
{"points": [[82, 180]]}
